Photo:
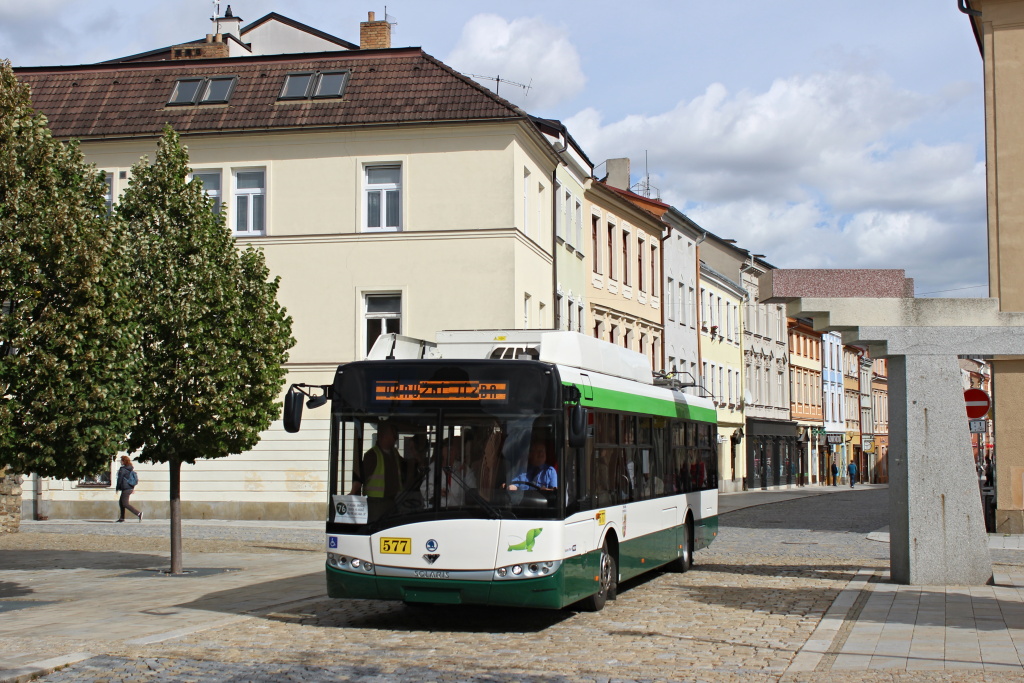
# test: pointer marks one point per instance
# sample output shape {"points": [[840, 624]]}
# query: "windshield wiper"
{"points": [[485, 504]]}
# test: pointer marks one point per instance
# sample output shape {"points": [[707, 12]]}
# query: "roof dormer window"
{"points": [[211, 90], [314, 84]]}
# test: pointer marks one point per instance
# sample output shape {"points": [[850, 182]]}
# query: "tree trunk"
{"points": [[175, 468]]}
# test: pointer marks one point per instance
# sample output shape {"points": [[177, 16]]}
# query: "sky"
{"points": [[822, 134]]}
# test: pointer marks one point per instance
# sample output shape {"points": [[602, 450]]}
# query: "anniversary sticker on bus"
{"points": [[448, 390]]}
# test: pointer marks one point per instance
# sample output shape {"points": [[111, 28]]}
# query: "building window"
{"points": [[625, 258], [383, 315], [250, 202], [541, 213], [215, 90], [101, 480], [579, 317], [571, 311], [383, 198], [211, 186], [526, 202], [594, 226], [526, 311], [669, 304], [579, 228], [108, 197], [316, 84], [611, 251], [561, 218], [654, 270], [640, 264]]}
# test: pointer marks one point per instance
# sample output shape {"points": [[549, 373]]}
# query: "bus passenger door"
{"points": [[579, 567]]}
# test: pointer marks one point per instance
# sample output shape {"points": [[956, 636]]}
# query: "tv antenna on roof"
{"points": [[498, 80], [644, 187], [388, 18]]}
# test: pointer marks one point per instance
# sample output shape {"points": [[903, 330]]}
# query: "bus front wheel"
{"points": [[608, 575]]}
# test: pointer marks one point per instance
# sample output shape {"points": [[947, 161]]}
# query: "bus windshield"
{"points": [[433, 441]]}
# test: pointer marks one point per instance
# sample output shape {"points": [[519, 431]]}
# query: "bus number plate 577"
{"points": [[396, 546]]}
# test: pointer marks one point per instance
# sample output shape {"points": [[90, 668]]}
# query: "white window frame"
{"points": [[249, 193], [382, 189], [526, 202], [388, 316], [217, 195]]}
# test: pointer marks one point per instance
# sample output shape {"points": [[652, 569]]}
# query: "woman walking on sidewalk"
{"points": [[127, 480]]}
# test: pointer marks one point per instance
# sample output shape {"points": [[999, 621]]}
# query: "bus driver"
{"points": [[538, 474]]}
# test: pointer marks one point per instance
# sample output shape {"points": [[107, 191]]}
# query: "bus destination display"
{"points": [[447, 390]]}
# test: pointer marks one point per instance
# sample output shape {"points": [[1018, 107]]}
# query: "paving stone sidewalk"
{"points": [[792, 590]]}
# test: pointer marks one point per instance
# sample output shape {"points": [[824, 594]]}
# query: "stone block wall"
{"points": [[10, 501]]}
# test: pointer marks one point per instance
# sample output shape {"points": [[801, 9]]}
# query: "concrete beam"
{"points": [[783, 285], [847, 313]]}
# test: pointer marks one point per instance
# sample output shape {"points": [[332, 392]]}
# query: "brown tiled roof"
{"points": [[386, 87]]}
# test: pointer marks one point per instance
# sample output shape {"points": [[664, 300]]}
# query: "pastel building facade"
{"points": [[340, 166], [721, 353]]}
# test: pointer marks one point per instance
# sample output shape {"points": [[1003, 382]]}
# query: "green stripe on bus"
{"points": [[633, 403]]}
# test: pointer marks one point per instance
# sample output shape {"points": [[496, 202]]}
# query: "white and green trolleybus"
{"points": [[629, 471]]}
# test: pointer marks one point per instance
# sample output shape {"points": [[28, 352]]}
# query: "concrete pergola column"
{"points": [[937, 529]]}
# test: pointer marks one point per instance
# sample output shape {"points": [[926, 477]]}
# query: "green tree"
{"points": [[214, 337], [68, 340]]}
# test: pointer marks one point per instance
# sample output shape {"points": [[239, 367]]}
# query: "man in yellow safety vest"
{"points": [[380, 476]]}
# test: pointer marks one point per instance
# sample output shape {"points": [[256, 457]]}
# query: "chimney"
{"points": [[229, 23], [213, 48], [618, 173], [374, 35]]}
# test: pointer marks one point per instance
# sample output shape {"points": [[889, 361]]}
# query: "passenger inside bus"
{"points": [[456, 475]]}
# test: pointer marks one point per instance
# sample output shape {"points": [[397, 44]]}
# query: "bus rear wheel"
{"points": [[685, 560], [608, 575]]}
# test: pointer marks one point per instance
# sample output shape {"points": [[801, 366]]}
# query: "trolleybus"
{"points": [[523, 474]]}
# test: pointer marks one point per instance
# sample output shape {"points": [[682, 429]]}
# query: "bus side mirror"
{"points": [[292, 409], [577, 426]]}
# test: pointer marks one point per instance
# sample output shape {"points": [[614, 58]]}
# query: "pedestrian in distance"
{"points": [[835, 473], [127, 480], [852, 469]]}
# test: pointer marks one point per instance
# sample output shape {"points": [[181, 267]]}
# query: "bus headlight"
{"points": [[527, 571], [351, 564]]}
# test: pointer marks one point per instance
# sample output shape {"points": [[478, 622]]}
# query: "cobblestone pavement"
{"points": [[753, 600]]}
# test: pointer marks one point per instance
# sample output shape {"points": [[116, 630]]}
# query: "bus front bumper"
{"points": [[542, 592]]}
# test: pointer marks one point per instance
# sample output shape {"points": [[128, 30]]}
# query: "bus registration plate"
{"points": [[396, 546]]}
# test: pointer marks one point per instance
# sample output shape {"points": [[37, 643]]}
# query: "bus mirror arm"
{"points": [[293, 403]]}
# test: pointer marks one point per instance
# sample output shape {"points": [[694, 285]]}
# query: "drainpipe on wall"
{"points": [[962, 4], [554, 237]]}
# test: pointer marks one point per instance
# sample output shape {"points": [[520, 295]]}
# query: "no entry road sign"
{"points": [[977, 402]]}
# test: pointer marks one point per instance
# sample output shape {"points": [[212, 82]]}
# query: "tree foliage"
{"points": [[214, 337], [68, 351]]}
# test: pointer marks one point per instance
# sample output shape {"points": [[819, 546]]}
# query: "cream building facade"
{"points": [[377, 219], [721, 342]]}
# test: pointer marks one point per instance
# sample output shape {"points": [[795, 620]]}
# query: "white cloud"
{"points": [[818, 171], [525, 50]]}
